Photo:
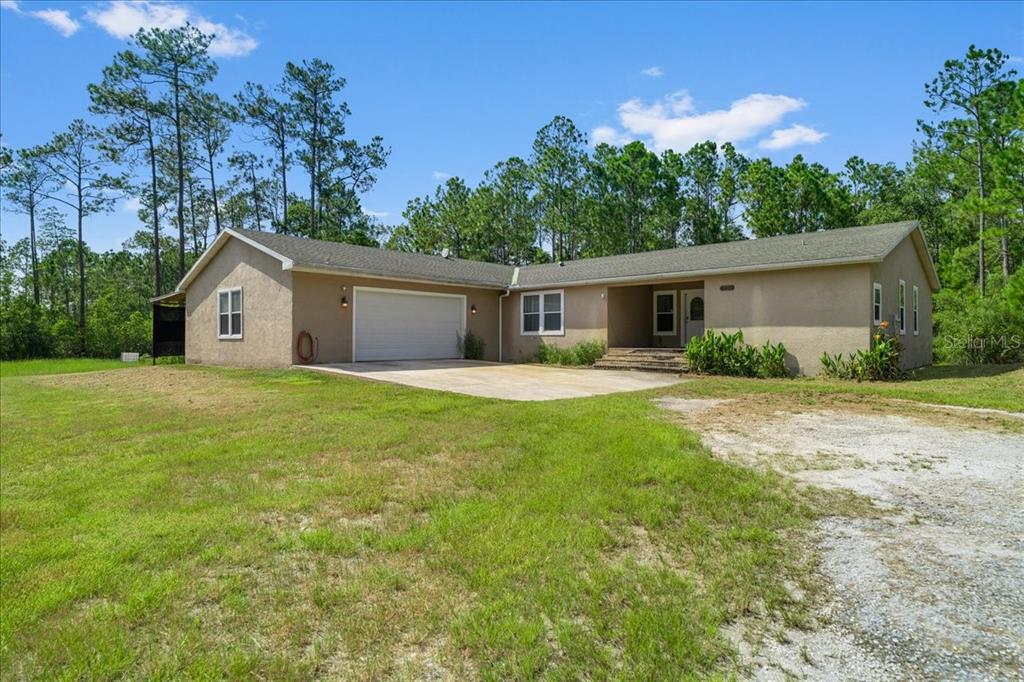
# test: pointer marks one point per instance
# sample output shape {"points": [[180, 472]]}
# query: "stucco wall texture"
{"points": [[904, 263], [586, 318], [266, 304], [318, 311], [810, 310]]}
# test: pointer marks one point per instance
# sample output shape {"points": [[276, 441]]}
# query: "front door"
{"points": [[693, 314]]}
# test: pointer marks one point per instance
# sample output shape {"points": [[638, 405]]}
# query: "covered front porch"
{"points": [[655, 315]]}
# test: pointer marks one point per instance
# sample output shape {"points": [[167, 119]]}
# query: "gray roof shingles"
{"points": [[849, 244], [853, 243], [314, 253]]}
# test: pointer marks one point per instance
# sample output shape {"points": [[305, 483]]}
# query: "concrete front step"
{"points": [[671, 360], [654, 362], [646, 351], [639, 367]]}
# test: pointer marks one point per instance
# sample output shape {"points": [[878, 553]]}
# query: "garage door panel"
{"points": [[407, 326]]}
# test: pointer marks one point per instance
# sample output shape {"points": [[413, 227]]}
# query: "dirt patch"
{"points": [[689, 405], [930, 589], [169, 386]]}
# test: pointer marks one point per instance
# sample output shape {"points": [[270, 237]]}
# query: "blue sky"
{"points": [[454, 88]]}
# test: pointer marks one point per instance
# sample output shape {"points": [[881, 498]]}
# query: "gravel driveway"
{"points": [[933, 589]]}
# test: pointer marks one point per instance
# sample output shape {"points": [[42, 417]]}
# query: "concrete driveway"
{"points": [[498, 380]]}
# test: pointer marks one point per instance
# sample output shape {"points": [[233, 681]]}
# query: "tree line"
{"points": [[565, 201], [197, 162], [165, 142]]}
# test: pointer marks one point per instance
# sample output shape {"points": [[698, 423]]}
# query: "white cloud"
{"points": [[785, 138], [58, 19], [653, 72], [609, 135], [380, 215], [675, 123], [441, 176], [131, 205], [122, 19]]}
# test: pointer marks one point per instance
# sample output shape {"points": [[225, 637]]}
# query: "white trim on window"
{"points": [[674, 313], [876, 304], [902, 301], [226, 314], [541, 313], [915, 311]]}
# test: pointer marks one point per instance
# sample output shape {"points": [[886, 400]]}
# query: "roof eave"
{"points": [[693, 274], [923, 254], [216, 246], [376, 274]]}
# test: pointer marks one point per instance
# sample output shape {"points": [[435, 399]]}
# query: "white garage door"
{"points": [[395, 325]]}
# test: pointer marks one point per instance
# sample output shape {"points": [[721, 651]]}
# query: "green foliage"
{"points": [[632, 189], [471, 346], [117, 290], [726, 354], [24, 331], [799, 197], [880, 363], [971, 329], [111, 330], [584, 353], [772, 361]]}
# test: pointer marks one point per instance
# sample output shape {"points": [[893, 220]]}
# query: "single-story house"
{"points": [[251, 294]]}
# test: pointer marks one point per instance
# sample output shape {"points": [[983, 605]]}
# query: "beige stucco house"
{"points": [[251, 294]]}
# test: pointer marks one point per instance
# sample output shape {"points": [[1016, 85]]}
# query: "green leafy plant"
{"points": [[975, 330], [772, 361], [471, 346], [584, 353], [721, 353], [880, 363]]}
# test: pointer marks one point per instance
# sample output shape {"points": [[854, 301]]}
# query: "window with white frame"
{"points": [[543, 313], [229, 313], [664, 313], [876, 304], [903, 307], [914, 302]]}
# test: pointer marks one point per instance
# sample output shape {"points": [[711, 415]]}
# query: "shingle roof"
{"points": [[853, 244], [314, 253]]}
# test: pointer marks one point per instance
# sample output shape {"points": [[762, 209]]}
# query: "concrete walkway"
{"points": [[498, 380]]}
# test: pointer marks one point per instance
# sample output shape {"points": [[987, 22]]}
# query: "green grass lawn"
{"points": [[16, 368], [998, 387], [180, 521]]}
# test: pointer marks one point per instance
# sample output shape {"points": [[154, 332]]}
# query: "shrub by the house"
{"points": [[581, 354], [721, 353], [471, 346], [880, 363]]}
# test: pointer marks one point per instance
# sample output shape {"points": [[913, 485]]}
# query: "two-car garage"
{"points": [[392, 324]]}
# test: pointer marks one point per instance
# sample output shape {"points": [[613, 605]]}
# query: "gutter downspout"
{"points": [[501, 314]]}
